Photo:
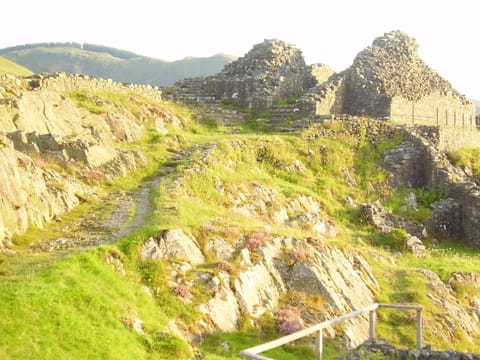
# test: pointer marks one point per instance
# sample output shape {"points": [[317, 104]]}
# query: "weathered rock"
{"points": [[340, 282], [446, 219], [222, 308], [377, 347], [173, 245], [454, 316], [221, 249], [376, 215], [133, 323], [31, 196], [257, 291], [123, 128], [38, 120], [344, 279], [415, 246]]}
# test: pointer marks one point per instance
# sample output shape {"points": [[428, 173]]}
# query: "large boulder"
{"points": [[173, 245]]}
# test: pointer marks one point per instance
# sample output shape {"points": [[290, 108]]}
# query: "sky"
{"points": [[329, 32]]}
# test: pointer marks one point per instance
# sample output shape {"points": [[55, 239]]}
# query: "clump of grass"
{"points": [[467, 157], [397, 202], [170, 346]]}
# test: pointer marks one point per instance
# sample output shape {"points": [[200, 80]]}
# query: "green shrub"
{"points": [[169, 346], [393, 240], [426, 197]]}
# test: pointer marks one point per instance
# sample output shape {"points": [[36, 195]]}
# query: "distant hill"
{"points": [[107, 62], [9, 67]]}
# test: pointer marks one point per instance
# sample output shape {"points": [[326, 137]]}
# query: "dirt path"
{"points": [[128, 211]]}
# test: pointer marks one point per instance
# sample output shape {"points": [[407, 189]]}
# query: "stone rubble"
{"points": [[370, 349]]}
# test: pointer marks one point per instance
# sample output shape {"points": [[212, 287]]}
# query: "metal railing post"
{"points": [[419, 329], [319, 345], [371, 325], [253, 352]]}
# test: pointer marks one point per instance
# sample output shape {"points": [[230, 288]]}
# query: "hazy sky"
{"points": [[330, 32]]}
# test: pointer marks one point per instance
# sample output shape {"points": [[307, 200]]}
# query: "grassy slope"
{"points": [[135, 70], [74, 306], [9, 67]]}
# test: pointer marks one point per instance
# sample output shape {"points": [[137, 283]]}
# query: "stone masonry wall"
{"points": [[433, 109], [62, 82], [419, 163], [270, 71], [362, 99], [451, 139], [325, 99], [389, 80]]}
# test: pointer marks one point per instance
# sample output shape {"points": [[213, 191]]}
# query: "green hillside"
{"points": [[9, 67], [105, 62]]}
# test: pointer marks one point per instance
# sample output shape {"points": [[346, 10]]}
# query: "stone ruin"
{"points": [[387, 80], [270, 71]]}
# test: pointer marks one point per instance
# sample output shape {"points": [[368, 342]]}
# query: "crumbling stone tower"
{"points": [[389, 80], [270, 71]]}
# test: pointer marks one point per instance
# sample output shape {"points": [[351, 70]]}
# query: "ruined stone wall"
{"points": [[419, 163], [62, 82], [326, 99], [454, 138], [362, 98], [321, 72], [433, 109]]}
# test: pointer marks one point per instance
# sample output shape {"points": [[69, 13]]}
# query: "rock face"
{"points": [[52, 151], [31, 195], [172, 244], [342, 278], [447, 307]]}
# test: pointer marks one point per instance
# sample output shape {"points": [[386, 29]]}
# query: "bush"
{"points": [[255, 240], [290, 326], [426, 197], [394, 239], [169, 346]]}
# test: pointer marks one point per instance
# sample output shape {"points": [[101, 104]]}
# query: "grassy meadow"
{"points": [[77, 306]]}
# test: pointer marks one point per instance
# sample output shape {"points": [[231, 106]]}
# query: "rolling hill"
{"points": [[9, 67], [107, 62]]}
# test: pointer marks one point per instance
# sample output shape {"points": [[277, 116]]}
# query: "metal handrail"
{"points": [[253, 352]]}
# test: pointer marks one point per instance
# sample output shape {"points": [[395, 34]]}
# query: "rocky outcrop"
{"points": [[31, 195], [342, 278], [172, 244], [454, 316], [51, 147]]}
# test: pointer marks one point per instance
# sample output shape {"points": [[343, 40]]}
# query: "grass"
{"points": [[9, 67], [468, 157], [72, 306], [73, 310]]}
